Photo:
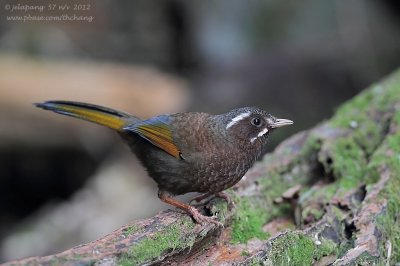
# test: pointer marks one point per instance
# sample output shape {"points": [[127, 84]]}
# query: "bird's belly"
{"points": [[178, 183], [218, 174], [184, 176], [192, 174]]}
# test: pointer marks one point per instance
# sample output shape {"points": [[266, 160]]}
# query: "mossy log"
{"points": [[326, 196]]}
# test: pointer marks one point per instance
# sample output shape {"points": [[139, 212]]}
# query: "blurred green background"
{"points": [[64, 182]]}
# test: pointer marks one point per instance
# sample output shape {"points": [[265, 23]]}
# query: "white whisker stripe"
{"points": [[237, 119], [262, 133]]}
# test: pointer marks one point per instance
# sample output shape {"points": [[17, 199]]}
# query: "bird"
{"points": [[189, 151]]}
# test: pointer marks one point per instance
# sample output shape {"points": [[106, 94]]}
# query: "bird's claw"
{"points": [[202, 219]]}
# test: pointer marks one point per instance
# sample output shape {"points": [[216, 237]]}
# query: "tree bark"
{"points": [[328, 195]]}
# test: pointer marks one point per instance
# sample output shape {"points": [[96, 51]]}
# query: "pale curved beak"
{"points": [[281, 123]]}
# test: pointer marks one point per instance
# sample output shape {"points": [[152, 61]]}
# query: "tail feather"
{"points": [[94, 113]]}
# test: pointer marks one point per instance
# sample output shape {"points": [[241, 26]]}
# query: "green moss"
{"points": [[248, 221], [349, 162], [338, 213], [389, 225], [344, 247], [313, 201], [220, 209], [255, 261], [125, 261], [356, 113], [278, 181], [389, 222], [245, 253], [388, 156], [60, 261], [273, 185], [320, 194], [251, 215], [312, 212], [360, 131], [350, 153], [154, 246], [130, 230], [292, 249], [326, 248], [366, 259], [295, 248], [312, 145]]}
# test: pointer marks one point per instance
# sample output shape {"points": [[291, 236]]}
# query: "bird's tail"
{"points": [[94, 113]]}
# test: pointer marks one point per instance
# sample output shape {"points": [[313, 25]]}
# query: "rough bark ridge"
{"points": [[328, 195]]}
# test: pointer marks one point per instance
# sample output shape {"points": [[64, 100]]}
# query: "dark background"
{"points": [[65, 182]]}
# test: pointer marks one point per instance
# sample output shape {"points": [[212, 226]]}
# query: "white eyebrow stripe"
{"points": [[237, 119], [262, 133]]}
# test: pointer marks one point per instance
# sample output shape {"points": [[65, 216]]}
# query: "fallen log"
{"points": [[328, 195]]}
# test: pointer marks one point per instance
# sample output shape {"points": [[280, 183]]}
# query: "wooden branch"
{"points": [[325, 196]]}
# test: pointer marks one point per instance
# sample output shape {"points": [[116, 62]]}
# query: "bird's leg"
{"points": [[197, 216], [200, 197], [221, 195], [225, 196]]}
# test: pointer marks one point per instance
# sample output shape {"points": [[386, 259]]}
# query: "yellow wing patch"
{"points": [[157, 131]]}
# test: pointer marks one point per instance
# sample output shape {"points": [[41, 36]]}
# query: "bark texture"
{"points": [[326, 196]]}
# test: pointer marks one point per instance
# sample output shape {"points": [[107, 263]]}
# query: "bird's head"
{"points": [[251, 124]]}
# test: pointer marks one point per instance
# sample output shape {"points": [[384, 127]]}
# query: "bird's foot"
{"points": [[197, 216], [226, 197], [202, 219]]}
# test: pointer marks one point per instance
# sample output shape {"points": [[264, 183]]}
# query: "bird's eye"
{"points": [[256, 122]]}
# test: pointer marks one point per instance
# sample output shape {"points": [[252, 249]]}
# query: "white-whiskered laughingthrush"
{"points": [[186, 152]]}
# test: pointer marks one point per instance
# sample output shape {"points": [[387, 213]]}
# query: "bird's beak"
{"points": [[281, 123]]}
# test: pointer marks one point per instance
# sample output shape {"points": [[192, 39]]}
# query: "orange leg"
{"points": [[197, 216]]}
